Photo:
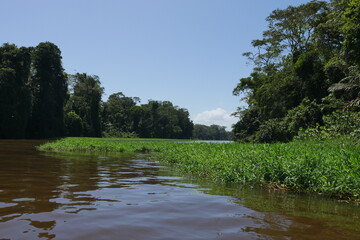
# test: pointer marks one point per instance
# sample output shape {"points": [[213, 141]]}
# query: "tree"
{"points": [[15, 101], [164, 120], [120, 114], [213, 132], [292, 29], [73, 125], [85, 101], [185, 124], [49, 88], [292, 63], [351, 29]]}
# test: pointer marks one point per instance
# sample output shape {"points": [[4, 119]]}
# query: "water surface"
{"points": [[78, 196]]}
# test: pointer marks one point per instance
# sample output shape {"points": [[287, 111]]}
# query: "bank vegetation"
{"points": [[330, 166]]}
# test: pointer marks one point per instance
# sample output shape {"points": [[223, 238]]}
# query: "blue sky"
{"points": [[188, 52]]}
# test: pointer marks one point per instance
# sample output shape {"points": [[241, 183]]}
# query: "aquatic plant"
{"points": [[330, 167]]}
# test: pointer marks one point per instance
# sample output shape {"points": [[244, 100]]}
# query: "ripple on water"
{"points": [[23, 199], [5, 205]]}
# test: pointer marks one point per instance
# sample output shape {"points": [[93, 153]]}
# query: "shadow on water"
{"points": [[117, 196]]}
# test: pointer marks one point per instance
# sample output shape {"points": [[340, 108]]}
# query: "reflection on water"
{"points": [[78, 196]]}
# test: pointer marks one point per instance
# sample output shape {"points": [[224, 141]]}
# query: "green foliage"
{"points": [[351, 29], [85, 101], [213, 132], [85, 144], [330, 104], [164, 120], [36, 102], [331, 167], [336, 124], [327, 167], [306, 115], [309, 68], [306, 66], [49, 88], [113, 132], [15, 101], [245, 129], [120, 115], [73, 124], [335, 70], [342, 122], [273, 130]]}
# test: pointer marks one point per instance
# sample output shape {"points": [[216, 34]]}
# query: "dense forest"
{"points": [[306, 76], [305, 82], [212, 132], [39, 100]]}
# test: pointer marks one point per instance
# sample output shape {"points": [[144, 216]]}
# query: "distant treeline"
{"points": [[39, 100], [306, 79], [212, 132]]}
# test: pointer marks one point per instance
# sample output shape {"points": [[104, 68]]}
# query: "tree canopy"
{"points": [[16, 99], [305, 66], [48, 84], [212, 132], [39, 100]]}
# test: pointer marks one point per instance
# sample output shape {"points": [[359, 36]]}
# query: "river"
{"points": [[82, 196]]}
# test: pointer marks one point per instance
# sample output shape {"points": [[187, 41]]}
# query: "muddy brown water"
{"points": [[78, 196]]}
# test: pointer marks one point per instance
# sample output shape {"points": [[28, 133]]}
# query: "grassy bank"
{"points": [[330, 167], [108, 144]]}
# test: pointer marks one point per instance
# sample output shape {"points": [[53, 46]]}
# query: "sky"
{"points": [[188, 52]]}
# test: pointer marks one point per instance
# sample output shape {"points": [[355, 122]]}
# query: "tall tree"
{"points": [[120, 114], [15, 101], [213, 132], [85, 101], [284, 61], [185, 124], [164, 120], [49, 88], [296, 59], [352, 31]]}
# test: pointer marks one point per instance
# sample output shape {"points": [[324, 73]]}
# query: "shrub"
{"points": [[336, 124], [273, 130], [73, 124], [306, 115], [113, 132]]}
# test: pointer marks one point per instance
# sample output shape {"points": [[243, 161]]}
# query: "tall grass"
{"points": [[330, 167], [107, 144]]}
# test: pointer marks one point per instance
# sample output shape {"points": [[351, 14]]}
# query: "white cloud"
{"points": [[217, 116]]}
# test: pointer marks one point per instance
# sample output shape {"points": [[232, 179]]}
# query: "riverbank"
{"points": [[329, 167]]}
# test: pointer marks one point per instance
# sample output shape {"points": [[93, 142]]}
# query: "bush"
{"points": [[342, 122], [273, 130], [73, 125], [306, 115], [113, 132], [336, 124]]}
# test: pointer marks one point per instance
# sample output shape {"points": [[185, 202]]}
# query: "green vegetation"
{"points": [[212, 132], [331, 167], [33, 91], [14, 74], [305, 85], [85, 103], [39, 100], [306, 69], [48, 85], [108, 144]]}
